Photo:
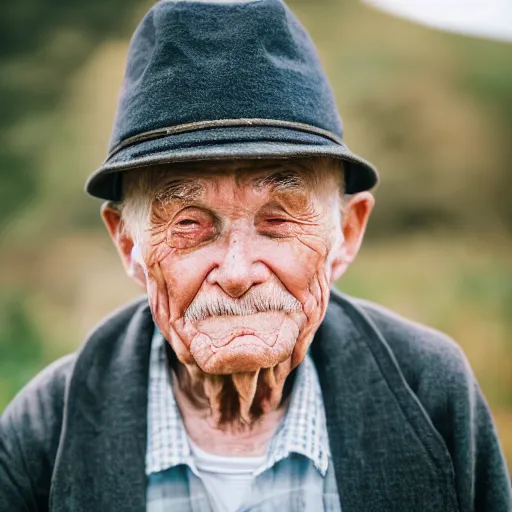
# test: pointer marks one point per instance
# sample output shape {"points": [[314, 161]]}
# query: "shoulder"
{"points": [[39, 404], [433, 367], [421, 352], [45, 392], [33, 419], [31, 426], [30, 429], [436, 371]]}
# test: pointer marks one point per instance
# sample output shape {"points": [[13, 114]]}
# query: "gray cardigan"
{"points": [[408, 426]]}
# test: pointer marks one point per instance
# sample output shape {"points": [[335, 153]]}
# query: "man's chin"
{"points": [[228, 345], [243, 354]]}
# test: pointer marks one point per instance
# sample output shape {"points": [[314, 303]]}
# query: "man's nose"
{"points": [[240, 269]]}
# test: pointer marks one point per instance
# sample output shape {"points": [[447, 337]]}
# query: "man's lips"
{"points": [[230, 344], [222, 330], [235, 333]]}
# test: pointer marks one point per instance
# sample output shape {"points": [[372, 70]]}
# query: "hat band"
{"points": [[220, 123]]}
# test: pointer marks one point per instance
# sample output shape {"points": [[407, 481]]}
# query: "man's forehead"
{"points": [[192, 181]]}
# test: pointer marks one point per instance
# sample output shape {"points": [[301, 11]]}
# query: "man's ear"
{"points": [[123, 241], [354, 221]]}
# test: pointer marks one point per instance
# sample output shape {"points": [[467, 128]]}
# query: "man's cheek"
{"points": [[173, 276], [156, 251], [180, 291], [296, 266], [158, 297], [180, 337], [166, 313]]}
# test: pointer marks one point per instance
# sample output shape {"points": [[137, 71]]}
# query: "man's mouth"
{"points": [[222, 330], [240, 343], [235, 333]]}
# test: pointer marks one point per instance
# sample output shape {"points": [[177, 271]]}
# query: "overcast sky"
{"points": [[484, 18]]}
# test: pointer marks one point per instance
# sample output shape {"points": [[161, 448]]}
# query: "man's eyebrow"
{"points": [[183, 189], [282, 181]]}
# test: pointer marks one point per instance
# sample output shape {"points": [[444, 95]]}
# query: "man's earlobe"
{"points": [[338, 267], [124, 243]]}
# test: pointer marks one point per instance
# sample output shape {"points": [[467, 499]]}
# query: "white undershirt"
{"points": [[227, 480]]}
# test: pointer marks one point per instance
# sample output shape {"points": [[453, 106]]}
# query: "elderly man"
{"points": [[244, 381]]}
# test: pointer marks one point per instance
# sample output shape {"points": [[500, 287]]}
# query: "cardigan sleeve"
{"points": [[481, 474], [29, 436]]}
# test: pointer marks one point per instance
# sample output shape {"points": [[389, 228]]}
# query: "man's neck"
{"points": [[239, 436], [232, 439]]}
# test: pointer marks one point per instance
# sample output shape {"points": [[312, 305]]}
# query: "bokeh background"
{"points": [[432, 110]]}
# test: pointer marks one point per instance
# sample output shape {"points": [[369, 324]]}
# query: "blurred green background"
{"points": [[432, 110]]}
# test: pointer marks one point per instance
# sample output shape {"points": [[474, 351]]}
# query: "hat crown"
{"points": [[191, 62]]}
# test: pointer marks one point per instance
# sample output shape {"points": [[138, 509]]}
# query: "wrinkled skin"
{"points": [[237, 238]]}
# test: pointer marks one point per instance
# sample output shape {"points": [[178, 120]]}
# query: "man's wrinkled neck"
{"points": [[232, 404]]}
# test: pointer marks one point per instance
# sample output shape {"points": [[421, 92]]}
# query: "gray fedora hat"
{"points": [[223, 80]]}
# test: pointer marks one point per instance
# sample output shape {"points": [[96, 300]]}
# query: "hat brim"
{"points": [[229, 143]]}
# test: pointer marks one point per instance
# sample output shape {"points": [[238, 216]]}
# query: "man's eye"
{"points": [[276, 221], [186, 233], [186, 222]]}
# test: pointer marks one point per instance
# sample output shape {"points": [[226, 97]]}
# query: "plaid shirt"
{"points": [[303, 430]]}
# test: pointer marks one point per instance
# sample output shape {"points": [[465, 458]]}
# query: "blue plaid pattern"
{"points": [[297, 475], [167, 439]]}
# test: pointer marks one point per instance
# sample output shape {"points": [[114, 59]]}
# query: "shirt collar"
{"points": [[302, 431]]}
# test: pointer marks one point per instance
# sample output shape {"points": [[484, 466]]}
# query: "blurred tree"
{"points": [[41, 45]]}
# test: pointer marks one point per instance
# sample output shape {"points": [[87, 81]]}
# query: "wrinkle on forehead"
{"points": [[183, 180], [282, 180], [183, 189], [190, 185]]}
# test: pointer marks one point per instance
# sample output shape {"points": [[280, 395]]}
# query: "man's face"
{"points": [[238, 259], [236, 265]]}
